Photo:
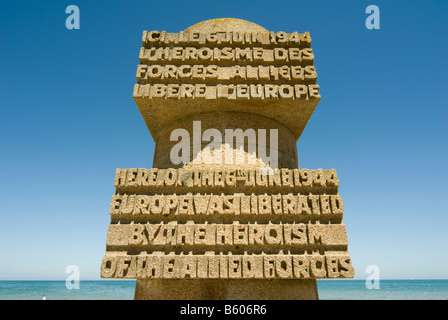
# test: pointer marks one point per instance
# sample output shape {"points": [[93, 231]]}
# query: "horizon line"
{"points": [[110, 279]]}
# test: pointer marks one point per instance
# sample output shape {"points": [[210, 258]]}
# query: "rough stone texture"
{"points": [[215, 226], [226, 290]]}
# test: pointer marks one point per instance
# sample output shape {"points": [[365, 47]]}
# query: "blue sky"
{"points": [[68, 121]]}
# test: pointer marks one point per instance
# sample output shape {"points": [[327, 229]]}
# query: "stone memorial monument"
{"points": [[225, 212]]}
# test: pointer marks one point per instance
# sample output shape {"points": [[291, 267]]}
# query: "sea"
{"points": [[124, 290]]}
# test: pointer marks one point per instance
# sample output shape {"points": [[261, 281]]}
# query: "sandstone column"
{"points": [[225, 212]]}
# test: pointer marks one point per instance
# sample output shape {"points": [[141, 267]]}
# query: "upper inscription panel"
{"points": [[226, 65]]}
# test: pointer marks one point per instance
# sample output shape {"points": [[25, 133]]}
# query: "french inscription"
{"points": [[226, 38], [227, 54], [231, 91]]}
